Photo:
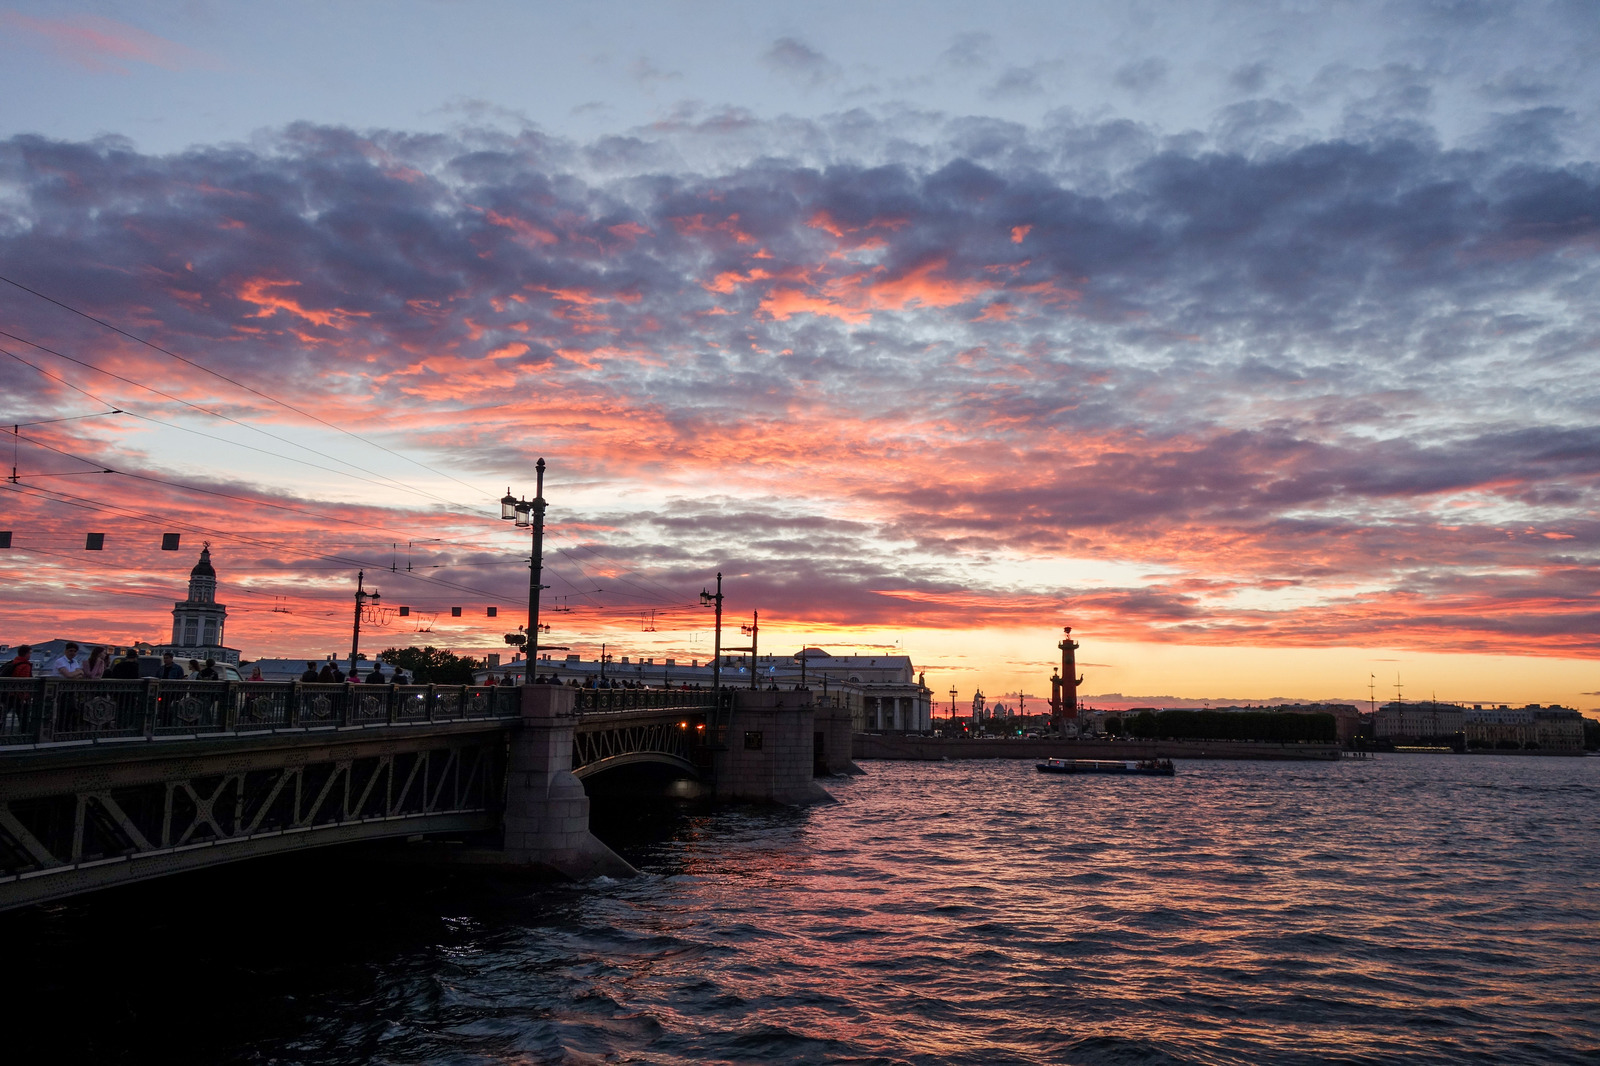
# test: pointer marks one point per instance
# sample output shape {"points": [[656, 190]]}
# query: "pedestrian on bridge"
{"points": [[14, 708], [170, 671], [21, 665], [67, 664]]}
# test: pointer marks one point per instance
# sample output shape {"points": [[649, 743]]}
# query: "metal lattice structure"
{"points": [[71, 824], [607, 740], [106, 782]]}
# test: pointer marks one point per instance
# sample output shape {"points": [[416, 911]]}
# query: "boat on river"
{"points": [[1143, 767]]}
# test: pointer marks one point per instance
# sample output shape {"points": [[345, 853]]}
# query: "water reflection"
{"points": [[1410, 909]]}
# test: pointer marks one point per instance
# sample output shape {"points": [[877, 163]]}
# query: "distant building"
{"points": [[1552, 728], [197, 622], [883, 692], [292, 669], [1415, 723]]}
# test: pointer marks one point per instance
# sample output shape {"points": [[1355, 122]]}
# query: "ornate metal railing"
{"points": [[601, 700], [48, 711]]}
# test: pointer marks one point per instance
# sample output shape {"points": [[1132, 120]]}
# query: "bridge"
{"points": [[107, 782]]}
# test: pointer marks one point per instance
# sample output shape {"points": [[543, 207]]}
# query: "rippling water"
{"points": [[1412, 909]]}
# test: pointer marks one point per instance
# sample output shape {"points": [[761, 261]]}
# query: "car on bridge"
{"points": [[150, 666]]}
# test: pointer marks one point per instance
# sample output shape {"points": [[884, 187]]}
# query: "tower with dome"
{"points": [[198, 621]]}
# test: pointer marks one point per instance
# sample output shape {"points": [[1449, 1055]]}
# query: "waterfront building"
{"points": [[1415, 723], [1552, 728], [884, 693]]}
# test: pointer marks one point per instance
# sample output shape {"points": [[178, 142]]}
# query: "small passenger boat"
{"points": [[1145, 767]]}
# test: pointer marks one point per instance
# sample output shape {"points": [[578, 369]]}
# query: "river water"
{"points": [[1410, 909]]}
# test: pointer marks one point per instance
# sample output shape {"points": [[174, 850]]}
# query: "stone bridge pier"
{"points": [[772, 747], [546, 816]]}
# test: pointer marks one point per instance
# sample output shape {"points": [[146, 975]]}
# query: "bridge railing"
{"points": [[54, 711], [602, 700]]}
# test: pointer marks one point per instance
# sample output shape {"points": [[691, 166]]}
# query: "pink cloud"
{"points": [[99, 44]]}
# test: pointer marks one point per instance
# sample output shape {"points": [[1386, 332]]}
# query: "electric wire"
{"points": [[383, 478], [239, 384], [347, 561]]}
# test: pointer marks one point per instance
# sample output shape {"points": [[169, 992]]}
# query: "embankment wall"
{"points": [[934, 749]]}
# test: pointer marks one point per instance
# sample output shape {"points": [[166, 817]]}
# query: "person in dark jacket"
{"points": [[208, 672], [125, 668], [376, 677], [310, 676], [170, 671], [21, 665], [325, 676]]}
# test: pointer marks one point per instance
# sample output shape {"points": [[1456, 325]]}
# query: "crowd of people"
{"points": [[591, 681], [330, 674], [100, 662]]}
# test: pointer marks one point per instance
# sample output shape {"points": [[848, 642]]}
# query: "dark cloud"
{"points": [[798, 60], [1250, 78], [1016, 82], [1255, 368], [1142, 75], [969, 51]]}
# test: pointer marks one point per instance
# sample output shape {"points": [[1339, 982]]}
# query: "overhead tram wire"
{"points": [[239, 384], [622, 580], [384, 479], [348, 562], [103, 590], [470, 511], [81, 502], [209, 492], [670, 593], [592, 605]]}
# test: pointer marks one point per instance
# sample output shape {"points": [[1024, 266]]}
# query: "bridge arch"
{"points": [[637, 758], [665, 737]]}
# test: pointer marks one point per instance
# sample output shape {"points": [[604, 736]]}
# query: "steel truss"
{"points": [[71, 828], [601, 742]]}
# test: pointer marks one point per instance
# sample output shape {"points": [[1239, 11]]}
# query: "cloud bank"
{"points": [[910, 371]]}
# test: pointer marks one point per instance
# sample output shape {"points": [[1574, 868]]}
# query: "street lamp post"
{"points": [[530, 513], [706, 600], [362, 596], [752, 631]]}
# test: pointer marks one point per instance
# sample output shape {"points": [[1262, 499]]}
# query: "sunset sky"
{"points": [[1255, 341]]}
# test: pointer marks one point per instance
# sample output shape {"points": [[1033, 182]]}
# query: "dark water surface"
{"points": [[1413, 909]]}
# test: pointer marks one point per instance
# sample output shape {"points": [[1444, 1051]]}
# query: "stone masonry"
{"points": [[768, 750], [547, 811]]}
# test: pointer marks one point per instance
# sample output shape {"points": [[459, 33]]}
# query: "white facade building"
{"points": [[198, 621], [883, 692]]}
